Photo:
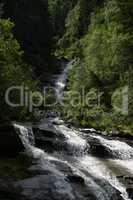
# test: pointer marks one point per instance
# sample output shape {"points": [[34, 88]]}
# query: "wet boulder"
{"points": [[8, 192], [10, 143], [57, 121], [130, 192], [76, 179], [98, 149], [128, 180], [48, 138]]}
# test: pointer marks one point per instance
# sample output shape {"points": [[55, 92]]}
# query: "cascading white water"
{"points": [[60, 83], [76, 144], [103, 169], [117, 148], [27, 137], [78, 163], [92, 164], [26, 134], [106, 169]]}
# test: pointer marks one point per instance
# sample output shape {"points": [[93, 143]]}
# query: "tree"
{"points": [[13, 71], [106, 62], [32, 30], [58, 10]]}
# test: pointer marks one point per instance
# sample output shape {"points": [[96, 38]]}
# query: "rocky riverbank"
{"points": [[72, 165]]}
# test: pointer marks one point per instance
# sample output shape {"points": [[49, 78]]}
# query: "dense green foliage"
{"points": [[33, 31], [25, 51], [76, 26], [100, 35], [58, 11], [13, 71], [97, 33]]}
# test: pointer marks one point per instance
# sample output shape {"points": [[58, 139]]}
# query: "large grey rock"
{"points": [[130, 192], [10, 143]]}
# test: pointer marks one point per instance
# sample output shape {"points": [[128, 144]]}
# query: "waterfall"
{"points": [[75, 144], [61, 81], [72, 172], [28, 140], [26, 134], [102, 168], [117, 148], [97, 173]]}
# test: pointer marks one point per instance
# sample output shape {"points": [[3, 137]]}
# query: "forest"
{"points": [[66, 100], [36, 35]]}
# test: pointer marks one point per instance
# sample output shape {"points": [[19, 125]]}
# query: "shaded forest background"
{"points": [[98, 34]]}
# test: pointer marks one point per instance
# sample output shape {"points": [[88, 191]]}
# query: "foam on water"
{"points": [[86, 166], [75, 143], [103, 169], [117, 148], [61, 81], [27, 137]]}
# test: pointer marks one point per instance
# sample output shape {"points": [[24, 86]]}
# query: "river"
{"points": [[71, 164]]}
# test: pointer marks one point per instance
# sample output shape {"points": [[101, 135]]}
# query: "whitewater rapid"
{"points": [[71, 171]]}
